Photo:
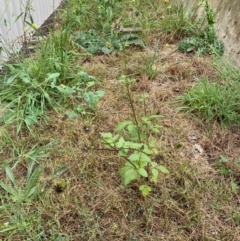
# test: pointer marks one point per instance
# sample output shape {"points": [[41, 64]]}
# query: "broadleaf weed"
{"points": [[133, 143]]}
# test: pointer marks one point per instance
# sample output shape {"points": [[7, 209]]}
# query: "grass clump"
{"points": [[213, 101], [176, 23]]}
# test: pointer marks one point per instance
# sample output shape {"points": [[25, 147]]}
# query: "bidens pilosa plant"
{"points": [[132, 140]]}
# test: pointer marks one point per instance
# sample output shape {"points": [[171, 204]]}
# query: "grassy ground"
{"points": [[59, 181]]}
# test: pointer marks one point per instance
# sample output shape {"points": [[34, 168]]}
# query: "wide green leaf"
{"points": [[132, 130], [129, 176], [125, 168], [120, 142], [135, 156], [123, 152], [144, 158], [141, 158], [142, 172], [89, 98], [133, 145], [122, 124], [155, 172]]}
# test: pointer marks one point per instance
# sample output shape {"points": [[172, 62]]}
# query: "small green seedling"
{"points": [[224, 170]]}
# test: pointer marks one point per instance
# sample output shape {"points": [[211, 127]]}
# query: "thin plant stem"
{"points": [[133, 111]]}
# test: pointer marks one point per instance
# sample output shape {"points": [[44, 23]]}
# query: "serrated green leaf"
{"points": [[132, 129], [129, 176], [145, 189], [133, 145], [146, 150], [145, 158], [135, 156], [72, 114], [122, 125], [155, 172], [140, 157], [115, 138], [126, 167], [154, 179], [66, 90], [123, 152], [142, 172], [30, 120], [163, 169], [120, 142]]}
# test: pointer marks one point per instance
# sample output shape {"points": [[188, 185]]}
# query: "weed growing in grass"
{"points": [[176, 23], [27, 95], [226, 170], [97, 14], [30, 190], [46, 81], [138, 148], [213, 101], [94, 43], [206, 41], [21, 188], [107, 34], [149, 68]]}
